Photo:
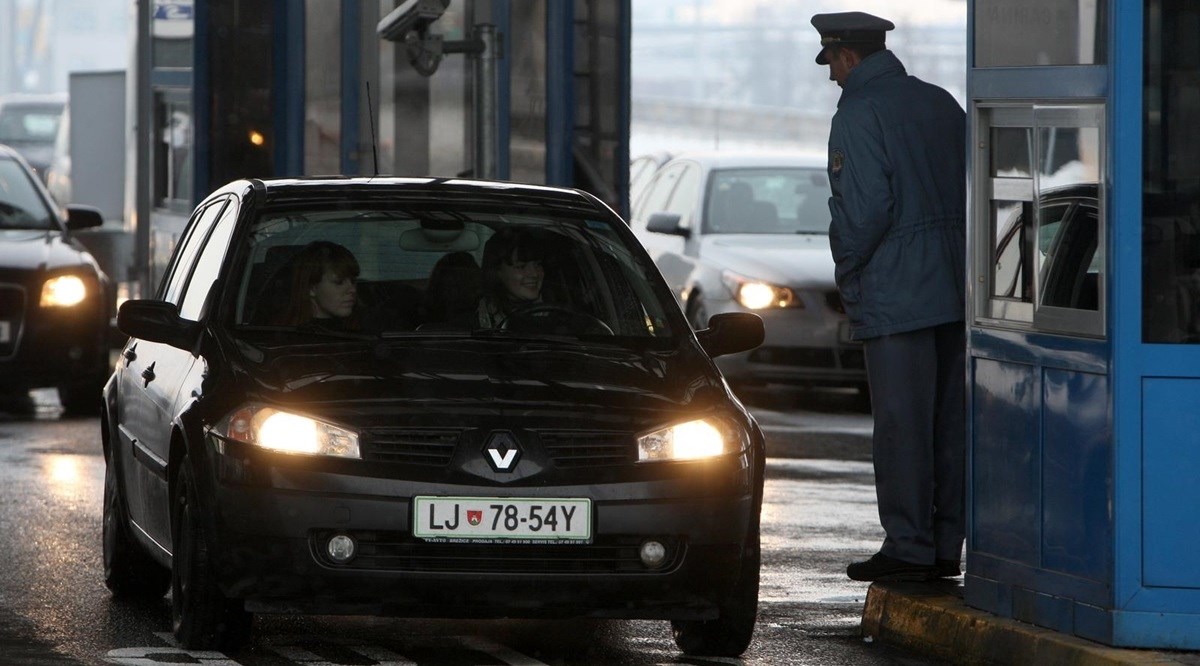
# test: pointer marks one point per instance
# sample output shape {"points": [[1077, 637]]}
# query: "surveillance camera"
{"points": [[410, 16]]}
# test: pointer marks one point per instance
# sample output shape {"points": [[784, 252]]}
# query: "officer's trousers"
{"points": [[918, 382]]}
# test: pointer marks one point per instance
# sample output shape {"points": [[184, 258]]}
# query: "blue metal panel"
{"points": [[1125, 262], [1044, 610], [351, 85], [1178, 631], [287, 95], [1170, 475], [1047, 83], [1077, 474], [560, 93], [1005, 467]]}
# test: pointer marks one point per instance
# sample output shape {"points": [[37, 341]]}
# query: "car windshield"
{"points": [[20, 205], [768, 201], [29, 123], [483, 273]]}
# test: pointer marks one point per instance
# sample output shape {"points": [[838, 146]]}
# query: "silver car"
{"points": [[749, 232]]}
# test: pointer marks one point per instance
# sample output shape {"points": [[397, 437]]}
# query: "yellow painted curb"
{"points": [[933, 619]]}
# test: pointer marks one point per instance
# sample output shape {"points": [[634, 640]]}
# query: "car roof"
{"points": [[748, 159], [413, 190], [33, 99]]}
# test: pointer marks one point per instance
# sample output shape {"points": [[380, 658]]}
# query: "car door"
{"points": [[148, 377]]}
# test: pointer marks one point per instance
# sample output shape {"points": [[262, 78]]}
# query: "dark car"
{"points": [[427, 446], [29, 124], [55, 302]]}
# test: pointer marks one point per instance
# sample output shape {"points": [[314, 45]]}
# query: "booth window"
{"points": [[1040, 33], [1171, 175], [173, 150], [1039, 223]]}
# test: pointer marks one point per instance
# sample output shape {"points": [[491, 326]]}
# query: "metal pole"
{"points": [[486, 111]]}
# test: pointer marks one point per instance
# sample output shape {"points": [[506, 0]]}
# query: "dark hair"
{"points": [[507, 245], [308, 267], [863, 49]]}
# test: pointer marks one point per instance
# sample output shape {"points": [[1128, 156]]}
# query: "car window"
{"points": [[658, 193], [768, 201], [21, 207], [685, 198], [452, 272], [185, 251], [208, 265], [29, 123]]}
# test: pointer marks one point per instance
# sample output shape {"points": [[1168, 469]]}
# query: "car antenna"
{"points": [[371, 118]]}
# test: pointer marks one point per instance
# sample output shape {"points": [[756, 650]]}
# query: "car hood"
{"points": [[38, 249], [467, 375], [795, 260]]}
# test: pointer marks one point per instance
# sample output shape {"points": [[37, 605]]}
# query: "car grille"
{"points": [[12, 311], [428, 446], [436, 446], [588, 448], [398, 551]]}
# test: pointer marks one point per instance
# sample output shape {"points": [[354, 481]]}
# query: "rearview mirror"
{"points": [[83, 217], [157, 321], [730, 333], [667, 223]]}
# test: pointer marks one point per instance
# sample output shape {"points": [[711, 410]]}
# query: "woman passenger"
{"points": [[324, 288]]}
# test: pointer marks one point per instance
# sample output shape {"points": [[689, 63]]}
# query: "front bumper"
{"points": [[52, 347], [271, 524]]}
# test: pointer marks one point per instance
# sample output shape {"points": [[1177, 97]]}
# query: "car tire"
{"points": [[697, 313], [129, 572], [82, 398], [202, 618], [729, 635]]}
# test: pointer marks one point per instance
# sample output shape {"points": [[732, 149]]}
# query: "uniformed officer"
{"points": [[898, 180]]}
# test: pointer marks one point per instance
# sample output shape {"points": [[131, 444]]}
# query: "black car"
{"points": [[422, 443], [55, 302]]}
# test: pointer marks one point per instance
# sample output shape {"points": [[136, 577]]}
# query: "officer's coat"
{"points": [[897, 174]]}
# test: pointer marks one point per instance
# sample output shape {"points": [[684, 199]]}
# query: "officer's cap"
{"points": [[849, 28]]}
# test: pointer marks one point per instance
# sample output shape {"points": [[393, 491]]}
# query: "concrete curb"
{"points": [[933, 619]]}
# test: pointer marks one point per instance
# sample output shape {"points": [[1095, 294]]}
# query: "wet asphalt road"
{"points": [[818, 514]]}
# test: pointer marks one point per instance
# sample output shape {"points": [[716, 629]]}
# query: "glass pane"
{"points": [[1023, 33], [1171, 175], [1011, 148], [1012, 224], [1068, 230]]}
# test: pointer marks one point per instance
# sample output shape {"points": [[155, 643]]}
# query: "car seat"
{"points": [[454, 288]]}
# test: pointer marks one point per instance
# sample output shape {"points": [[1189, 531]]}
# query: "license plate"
{"points": [[5, 332], [502, 519]]}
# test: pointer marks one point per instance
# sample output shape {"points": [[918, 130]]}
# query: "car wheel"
{"points": [[81, 398], [201, 617], [729, 635], [697, 314], [129, 572]]}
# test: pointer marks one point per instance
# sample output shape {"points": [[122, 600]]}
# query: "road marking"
{"points": [[501, 652], [145, 656]]}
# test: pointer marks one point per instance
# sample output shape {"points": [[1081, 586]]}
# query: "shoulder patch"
{"points": [[836, 161]]}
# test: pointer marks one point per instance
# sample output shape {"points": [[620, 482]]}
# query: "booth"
{"points": [[1084, 317]]}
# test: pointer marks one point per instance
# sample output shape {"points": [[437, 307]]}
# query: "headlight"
{"points": [[692, 440], [759, 295], [63, 291], [278, 430]]}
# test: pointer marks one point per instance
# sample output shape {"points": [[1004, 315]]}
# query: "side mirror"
{"points": [[83, 217], [667, 223], [157, 321], [730, 333]]}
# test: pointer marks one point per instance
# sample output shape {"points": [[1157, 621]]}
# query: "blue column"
{"points": [[351, 85], [287, 95], [560, 92]]}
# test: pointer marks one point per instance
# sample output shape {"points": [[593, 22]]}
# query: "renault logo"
{"points": [[502, 451]]}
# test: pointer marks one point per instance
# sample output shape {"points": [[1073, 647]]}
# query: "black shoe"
{"points": [[884, 568], [947, 568]]}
